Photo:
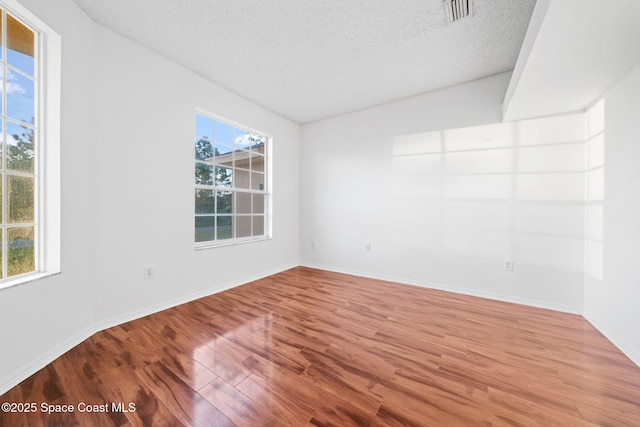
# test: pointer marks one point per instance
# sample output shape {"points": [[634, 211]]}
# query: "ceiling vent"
{"points": [[457, 9]]}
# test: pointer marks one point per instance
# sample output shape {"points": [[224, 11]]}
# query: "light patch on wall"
{"points": [[594, 216], [417, 143], [478, 137], [505, 191]]}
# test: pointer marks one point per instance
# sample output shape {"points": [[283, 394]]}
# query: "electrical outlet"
{"points": [[313, 245], [149, 272], [368, 247], [508, 266]]}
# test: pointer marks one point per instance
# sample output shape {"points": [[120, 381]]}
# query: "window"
{"points": [[29, 192], [231, 183], [18, 232]]}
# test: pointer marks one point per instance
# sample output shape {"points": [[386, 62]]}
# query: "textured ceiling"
{"points": [[311, 59]]}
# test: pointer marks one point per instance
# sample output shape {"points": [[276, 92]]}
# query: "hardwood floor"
{"points": [[309, 347]]}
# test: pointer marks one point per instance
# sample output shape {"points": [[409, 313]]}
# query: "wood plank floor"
{"points": [[309, 347]]}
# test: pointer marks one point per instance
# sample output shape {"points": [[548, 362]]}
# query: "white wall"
{"points": [[612, 292], [444, 193], [127, 196], [144, 184]]}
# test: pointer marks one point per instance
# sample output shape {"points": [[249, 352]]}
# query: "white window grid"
{"points": [[256, 189]]}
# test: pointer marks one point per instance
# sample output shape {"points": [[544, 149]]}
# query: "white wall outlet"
{"points": [[149, 272], [313, 245], [368, 247], [508, 266]]}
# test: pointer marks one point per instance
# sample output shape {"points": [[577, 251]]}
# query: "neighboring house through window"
{"points": [[231, 183]]}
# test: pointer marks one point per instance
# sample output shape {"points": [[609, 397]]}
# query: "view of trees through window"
{"points": [[18, 164], [230, 184]]}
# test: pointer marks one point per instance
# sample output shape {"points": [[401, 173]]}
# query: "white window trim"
{"points": [[49, 51], [268, 235]]}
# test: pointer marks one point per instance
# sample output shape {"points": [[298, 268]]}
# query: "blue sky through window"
{"points": [[225, 137], [204, 128], [223, 133], [22, 62], [20, 96]]}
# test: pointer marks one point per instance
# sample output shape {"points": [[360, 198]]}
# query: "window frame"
{"points": [[47, 74], [266, 192]]}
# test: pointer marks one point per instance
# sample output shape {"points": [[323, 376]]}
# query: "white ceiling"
{"points": [[574, 51], [312, 59]]}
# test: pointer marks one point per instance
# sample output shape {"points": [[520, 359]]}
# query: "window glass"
{"points": [[230, 185], [19, 147], [21, 246], [20, 46], [18, 186], [20, 96]]}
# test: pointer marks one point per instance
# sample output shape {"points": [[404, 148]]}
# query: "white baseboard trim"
{"points": [[454, 289], [33, 366], [119, 320], [631, 351]]}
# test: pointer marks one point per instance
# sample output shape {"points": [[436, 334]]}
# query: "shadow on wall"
{"points": [[529, 191]]}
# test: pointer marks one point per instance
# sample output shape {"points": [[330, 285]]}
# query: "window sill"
{"points": [[26, 279], [218, 244]]}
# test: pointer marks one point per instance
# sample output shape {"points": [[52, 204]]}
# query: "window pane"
{"points": [[253, 142], [204, 128], [204, 149], [19, 148], [20, 98], [224, 177], [257, 143], [241, 140], [205, 202], [242, 178], [258, 203], [242, 159], [205, 228], [204, 174], [20, 199], [257, 163], [1, 134], [258, 225], [224, 133], [21, 250], [224, 201], [1, 254], [1, 43], [224, 227], [243, 203], [257, 181], [20, 46], [224, 155], [243, 226]]}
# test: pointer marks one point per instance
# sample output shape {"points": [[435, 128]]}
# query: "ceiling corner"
{"points": [[573, 51]]}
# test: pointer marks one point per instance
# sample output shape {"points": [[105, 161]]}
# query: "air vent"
{"points": [[457, 9]]}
